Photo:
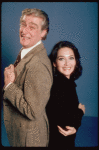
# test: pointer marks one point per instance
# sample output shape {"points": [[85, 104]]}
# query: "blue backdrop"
{"points": [[76, 22]]}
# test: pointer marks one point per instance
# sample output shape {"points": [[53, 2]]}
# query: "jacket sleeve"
{"points": [[32, 100], [77, 118], [64, 114]]}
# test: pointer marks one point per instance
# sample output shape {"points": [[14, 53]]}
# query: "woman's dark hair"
{"points": [[78, 68]]}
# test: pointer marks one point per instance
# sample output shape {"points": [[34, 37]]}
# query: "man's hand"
{"points": [[9, 75], [68, 131]]}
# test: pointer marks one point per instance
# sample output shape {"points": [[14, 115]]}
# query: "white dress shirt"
{"points": [[23, 53]]}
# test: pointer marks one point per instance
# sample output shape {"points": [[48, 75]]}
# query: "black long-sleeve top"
{"points": [[62, 108]]}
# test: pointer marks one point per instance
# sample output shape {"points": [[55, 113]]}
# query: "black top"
{"points": [[62, 108]]}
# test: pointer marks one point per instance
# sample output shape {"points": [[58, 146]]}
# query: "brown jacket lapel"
{"points": [[27, 58]]}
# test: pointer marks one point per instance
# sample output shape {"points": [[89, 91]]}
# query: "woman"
{"points": [[64, 111]]}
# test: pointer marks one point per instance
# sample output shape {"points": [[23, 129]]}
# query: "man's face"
{"points": [[30, 31]]}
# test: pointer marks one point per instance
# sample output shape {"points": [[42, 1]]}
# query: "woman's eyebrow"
{"points": [[60, 56], [72, 55], [64, 56]]}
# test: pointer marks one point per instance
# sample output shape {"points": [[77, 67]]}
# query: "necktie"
{"points": [[17, 60]]}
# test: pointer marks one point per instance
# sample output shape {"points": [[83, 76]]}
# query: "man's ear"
{"points": [[43, 33]]}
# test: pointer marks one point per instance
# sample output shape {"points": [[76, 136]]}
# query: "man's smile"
{"points": [[24, 36]]}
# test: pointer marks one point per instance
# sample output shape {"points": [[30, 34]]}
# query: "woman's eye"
{"points": [[61, 59], [71, 58]]}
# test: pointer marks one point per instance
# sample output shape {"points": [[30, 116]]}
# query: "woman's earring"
{"points": [[54, 70]]}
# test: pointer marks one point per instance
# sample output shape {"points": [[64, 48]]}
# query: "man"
{"points": [[27, 85]]}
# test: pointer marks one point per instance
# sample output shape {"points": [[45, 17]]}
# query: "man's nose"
{"points": [[25, 30]]}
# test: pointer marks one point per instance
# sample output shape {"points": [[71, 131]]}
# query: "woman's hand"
{"points": [[68, 131], [82, 107]]}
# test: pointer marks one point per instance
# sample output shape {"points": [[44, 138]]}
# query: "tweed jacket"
{"points": [[25, 100]]}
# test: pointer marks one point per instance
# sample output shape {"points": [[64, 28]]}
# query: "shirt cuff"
{"points": [[7, 86]]}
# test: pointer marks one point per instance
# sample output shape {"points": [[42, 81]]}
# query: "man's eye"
{"points": [[31, 28], [23, 25]]}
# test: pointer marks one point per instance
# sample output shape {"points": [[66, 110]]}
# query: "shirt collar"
{"points": [[25, 51]]}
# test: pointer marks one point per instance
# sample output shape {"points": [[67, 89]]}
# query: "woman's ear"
{"points": [[54, 64]]}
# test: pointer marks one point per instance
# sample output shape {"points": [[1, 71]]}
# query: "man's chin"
{"points": [[24, 44]]}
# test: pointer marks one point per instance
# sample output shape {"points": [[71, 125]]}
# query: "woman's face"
{"points": [[65, 61]]}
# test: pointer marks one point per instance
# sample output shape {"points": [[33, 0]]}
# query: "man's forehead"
{"points": [[24, 18]]}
